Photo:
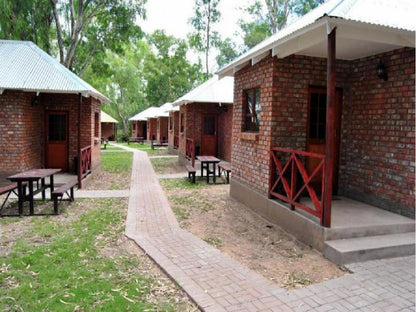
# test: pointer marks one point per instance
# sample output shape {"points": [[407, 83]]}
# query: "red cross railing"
{"points": [[290, 180], [85, 161]]}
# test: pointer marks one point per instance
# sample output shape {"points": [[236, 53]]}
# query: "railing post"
{"points": [[292, 182], [272, 171]]}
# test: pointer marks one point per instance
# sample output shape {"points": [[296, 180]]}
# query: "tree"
{"points": [[27, 20], [122, 78], [168, 72], [227, 52], [203, 38], [270, 16], [93, 26]]}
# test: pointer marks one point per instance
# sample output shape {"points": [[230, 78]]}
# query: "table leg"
{"points": [[51, 184], [42, 185], [20, 195], [214, 172], [202, 169], [31, 205], [207, 173]]}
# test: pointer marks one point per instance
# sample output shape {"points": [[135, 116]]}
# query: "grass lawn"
{"points": [[73, 262], [116, 162], [146, 148]]}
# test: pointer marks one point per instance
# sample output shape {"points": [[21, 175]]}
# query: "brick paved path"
{"points": [[216, 282]]}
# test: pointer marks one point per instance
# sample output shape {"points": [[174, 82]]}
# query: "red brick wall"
{"points": [[174, 131], [377, 144], [151, 128], [378, 134], [23, 139], [21, 133], [162, 129], [107, 130]]}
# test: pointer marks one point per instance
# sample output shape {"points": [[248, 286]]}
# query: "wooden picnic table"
{"points": [[29, 177], [206, 161]]}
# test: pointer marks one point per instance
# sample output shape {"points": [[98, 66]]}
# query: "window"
{"points": [[134, 126], [251, 108], [182, 122], [317, 116], [97, 125]]}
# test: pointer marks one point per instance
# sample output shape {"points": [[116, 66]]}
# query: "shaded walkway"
{"points": [[216, 282]]}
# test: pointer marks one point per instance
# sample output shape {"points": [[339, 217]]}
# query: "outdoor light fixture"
{"points": [[35, 100], [381, 71]]}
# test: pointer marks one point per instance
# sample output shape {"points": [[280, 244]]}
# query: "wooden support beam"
{"points": [[330, 129]]}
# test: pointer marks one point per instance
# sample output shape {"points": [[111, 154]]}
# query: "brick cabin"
{"points": [[140, 125], [287, 87], [108, 127], [205, 120], [41, 103], [173, 132], [162, 122]]}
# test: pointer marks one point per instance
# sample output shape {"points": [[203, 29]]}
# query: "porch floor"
{"points": [[347, 213]]}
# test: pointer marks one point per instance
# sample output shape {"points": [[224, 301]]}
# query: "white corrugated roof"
{"points": [[164, 110], [24, 66], [364, 27], [147, 113], [107, 118], [214, 90]]}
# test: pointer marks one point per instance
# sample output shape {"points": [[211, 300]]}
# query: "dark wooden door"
{"points": [[209, 135], [57, 140], [316, 132]]}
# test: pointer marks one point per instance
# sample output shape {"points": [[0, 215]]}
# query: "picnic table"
{"points": [[206, 162], [30, 177]]}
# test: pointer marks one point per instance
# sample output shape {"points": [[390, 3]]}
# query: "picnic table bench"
{"points": [[60, 191], [136, 140], [8, 189], [191, 173], [158, 144], [226, 169]]}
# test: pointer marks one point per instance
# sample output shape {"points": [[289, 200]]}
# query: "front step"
{"points": [[343, 251]]}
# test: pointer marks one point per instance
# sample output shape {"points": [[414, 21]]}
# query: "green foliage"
{"points": [[27, 20], [269, 16], [227, 52], [203, 37]]}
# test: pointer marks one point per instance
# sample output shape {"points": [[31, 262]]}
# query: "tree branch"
{"points": [[58, 31]]}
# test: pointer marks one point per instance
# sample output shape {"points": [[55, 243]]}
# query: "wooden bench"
{"points": [[136, 140], [158, 144], [224, 168], [58, 193], [11, 188], [191, 173]]}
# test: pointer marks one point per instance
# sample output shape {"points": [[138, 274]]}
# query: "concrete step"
{"points": [[344, 251], [402, 225]]}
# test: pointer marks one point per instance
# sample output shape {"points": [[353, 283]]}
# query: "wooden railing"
{"points": [[85, 161], [290, 180], [176, 142], [190, 151]]}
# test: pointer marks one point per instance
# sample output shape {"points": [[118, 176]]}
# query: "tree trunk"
{"points": [[58, 31]]}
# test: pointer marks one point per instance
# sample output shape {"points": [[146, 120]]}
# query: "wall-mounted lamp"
{"points": [[382, 71], [35, 100]]}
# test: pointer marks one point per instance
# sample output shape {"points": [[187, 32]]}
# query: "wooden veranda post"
{"points": [[79, 142], [330, 129]]}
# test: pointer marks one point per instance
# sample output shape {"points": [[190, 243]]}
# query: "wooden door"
{"points": [[209, 135], [316, 132], [56, 140]]}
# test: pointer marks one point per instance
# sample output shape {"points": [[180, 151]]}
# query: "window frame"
{"points": [[254, 115]]}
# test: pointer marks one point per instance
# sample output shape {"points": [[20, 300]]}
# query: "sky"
{"points": [[173, 16]]}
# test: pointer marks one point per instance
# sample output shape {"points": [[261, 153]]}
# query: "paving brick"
{"points": [[216, 282]]}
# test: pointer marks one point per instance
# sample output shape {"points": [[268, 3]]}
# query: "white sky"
{"points": [[173, 16]]}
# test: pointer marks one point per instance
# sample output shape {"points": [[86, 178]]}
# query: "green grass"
{"points": [[179, 184], [116, 162], [65, 271], [146, 148]]}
